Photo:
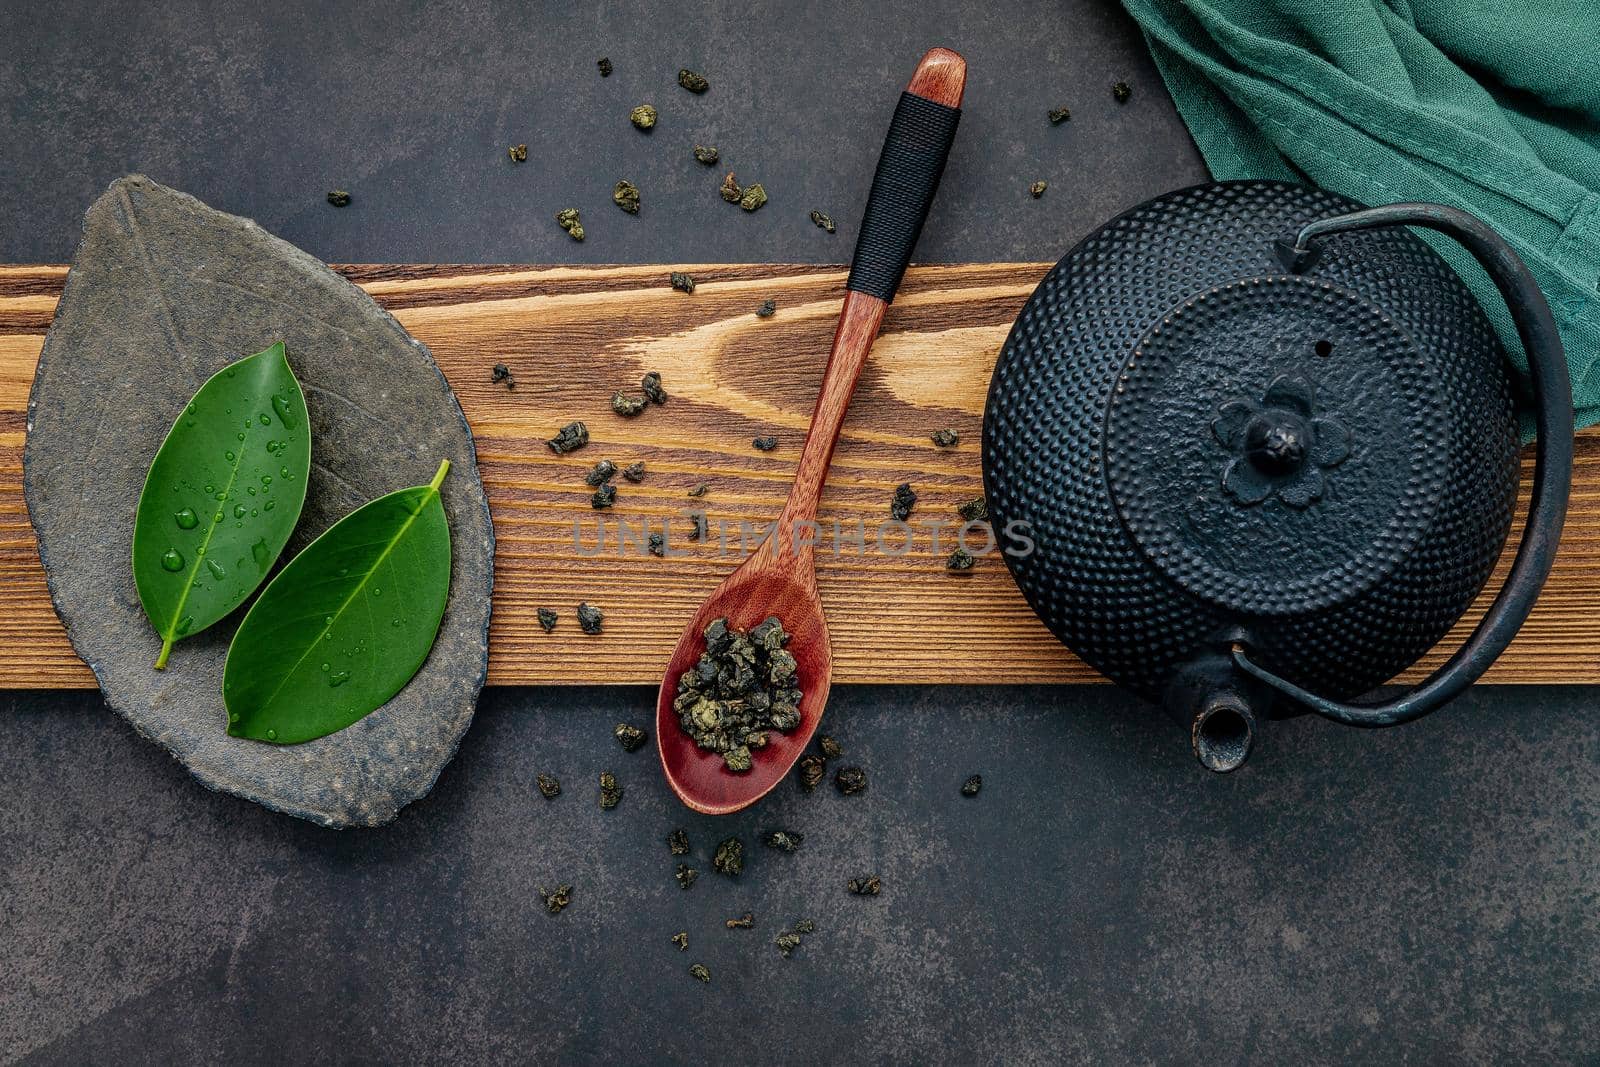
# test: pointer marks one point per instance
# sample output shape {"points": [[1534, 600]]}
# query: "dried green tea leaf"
{"points": [[346, 624], [547, 619], [610, 791], [686, 875], [730, 189], [631, 738], [605, 66], [705, 154], [650, 384], [789, 940], [502, 373], [960, 561], [518, 153], [767, 309], [569, 219], [754, 196], [656, 544], [905, 498], [974, 510], [970, 787], [555, 900], [625, 405], [765, 444], [1121, 91], [682, 282], [743, 922], [600, 473], [823, 221], [626, 196], [811, 770], [603, 497], [743, 685], [700, 489], [339, 198], [1058, 115], [850, 780], [729, 858], [549, 786], [634, 472], [869, 886], [678, 842], [643, 116], [783, 840], [693, 82], [697, 526], [591, 619], [946, 438], [681, 939], [1036, 190], [700, 971], [830, 748], [222, 496], [572, 436]]}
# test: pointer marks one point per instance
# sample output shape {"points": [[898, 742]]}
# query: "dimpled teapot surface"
{"points": [[1256, 455]]}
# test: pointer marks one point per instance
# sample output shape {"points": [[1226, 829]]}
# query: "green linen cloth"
{"points": [[1492, 106]]}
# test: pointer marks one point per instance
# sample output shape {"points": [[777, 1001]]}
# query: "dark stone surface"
{"points": [[1427, 893]]}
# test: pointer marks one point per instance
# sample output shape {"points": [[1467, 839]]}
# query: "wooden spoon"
{"points": [[779, 578]]}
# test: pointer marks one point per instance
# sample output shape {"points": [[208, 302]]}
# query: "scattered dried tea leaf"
{"points": [[729, 857], [865, 887], [555, 901], [811, 770], [743, 922], [765, 444], [569, 219], [697, 526], [789, 940], [1121, 91], [706, 154], [830, 748], [1036, 190], [730, 189], [681, 939], [744, 684], [686, 875], [754, 196], [625, 405], [631, 738], [700, 971], [610, 791], [678, 842], [339, 198], [518, 153], [605, 66], [600, 473], [850, 780], [634, 472], [682, 282], [960, 561], [822, 220], [549, 786], [502, 373], [946, 438], [767, 309], [700, 489], [695, 83], [970, 787], [573, 435], [547, 619], [657, 544], [805, 926], [974, 510], [590, 619], [783, 840], [643, 116], [603, 497], [905, 498], [625, 195], [1058, 115], [650, 385]]}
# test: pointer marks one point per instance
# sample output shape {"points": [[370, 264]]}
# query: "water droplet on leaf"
{"points": [[186, 519], [172, 560], [216, 569]]}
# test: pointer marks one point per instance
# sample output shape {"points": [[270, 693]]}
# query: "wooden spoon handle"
{"points": [[909, 168]]}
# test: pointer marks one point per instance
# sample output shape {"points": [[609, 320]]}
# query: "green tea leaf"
{"points": [[346, 624], [222, 496]]}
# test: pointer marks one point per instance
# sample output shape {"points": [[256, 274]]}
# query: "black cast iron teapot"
{"points": [[1264, 445]]}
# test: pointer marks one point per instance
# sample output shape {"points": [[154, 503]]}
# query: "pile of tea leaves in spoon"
{"points": [[743, 685]]}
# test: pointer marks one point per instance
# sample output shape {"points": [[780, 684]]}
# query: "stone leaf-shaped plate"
{"points": [[163, 292]]}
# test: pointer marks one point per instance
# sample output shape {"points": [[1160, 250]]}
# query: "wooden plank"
{"points": [[574, 334]]}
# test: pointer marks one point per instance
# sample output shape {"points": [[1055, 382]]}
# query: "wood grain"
{"points": [[573, 335]]}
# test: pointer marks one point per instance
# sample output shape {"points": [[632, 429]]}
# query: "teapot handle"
{"points": [[1552, 468]]}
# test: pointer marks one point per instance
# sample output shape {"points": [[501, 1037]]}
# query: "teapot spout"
{"points": [[1218, 704]]}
